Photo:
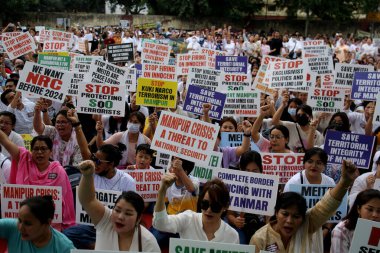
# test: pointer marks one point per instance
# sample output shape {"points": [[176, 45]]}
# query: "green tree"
{"points": [[205, 8], [338, 11], [130, 6], [13, 10]]}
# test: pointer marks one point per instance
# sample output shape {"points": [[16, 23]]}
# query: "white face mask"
{"points": [[133, 127]]}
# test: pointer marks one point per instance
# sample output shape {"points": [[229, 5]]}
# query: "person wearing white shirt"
{"points": [[368, 48], [7, 123]]}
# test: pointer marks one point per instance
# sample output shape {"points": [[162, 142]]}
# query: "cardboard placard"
{"points": [[54, 61], [326, 100], [184, 137], [162, 160], [250, 192], [147, 182], [55, 35], [13, 194], [366, 85], [74, 83], [186, 246], [56, 46], [344, 74], [205, 173], [159, 71], [155, 53], [157, 93], [356, 148], [196, 97], [314, 192], [185, 61], [106, 99], [107, 197], [321, 65], [242, 104], [261, 82], [82, 64], [45, 82], [312, 48], [19, 45], [287, 74], [211, 53], [366, 237], [120, 52], [232, 64], [205, 78], [104, 72], [285, 165], [235, 82], [131, 81]]}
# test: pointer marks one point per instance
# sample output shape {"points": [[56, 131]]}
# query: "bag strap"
{"points": [[299, 136], [301, 177], [139, 238]]}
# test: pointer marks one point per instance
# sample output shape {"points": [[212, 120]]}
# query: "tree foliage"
{"points": [[205, 8], [130, 6]]}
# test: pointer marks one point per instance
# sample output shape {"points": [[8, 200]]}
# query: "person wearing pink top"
{"points": [[35, 168]]}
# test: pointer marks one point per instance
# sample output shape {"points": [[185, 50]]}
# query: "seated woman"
{"points": [[314, 163], [205, 226], [246, 224], [65, 145], [31, 232], [131, 138], [366, 206], [35, 168], [116, 229], [293, 227]]}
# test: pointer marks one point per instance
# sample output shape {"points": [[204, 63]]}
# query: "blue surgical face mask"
{"points": [[133, 127], [292, 111]]}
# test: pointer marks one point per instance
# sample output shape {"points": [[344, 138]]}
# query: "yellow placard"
{"points": [[156, 93], [27, 140], [55, 53]]}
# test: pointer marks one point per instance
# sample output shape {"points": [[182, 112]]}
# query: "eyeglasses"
{"points": [[40, 149], [215, 207], [277, 137], [6, 123], [61, 123], [98, 161]]}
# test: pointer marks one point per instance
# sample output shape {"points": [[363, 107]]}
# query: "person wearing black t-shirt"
{"points": [[275, 44]]}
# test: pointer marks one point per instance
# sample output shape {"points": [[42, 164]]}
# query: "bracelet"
{"points": [[44, 110], [75, 124], [247, 135]]}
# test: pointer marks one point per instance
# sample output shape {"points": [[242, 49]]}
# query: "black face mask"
{"points": [[302, 119], [336, 126]]}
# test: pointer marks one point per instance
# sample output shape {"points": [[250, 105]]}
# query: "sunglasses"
{"points": [[215, 207], [97, 161]]}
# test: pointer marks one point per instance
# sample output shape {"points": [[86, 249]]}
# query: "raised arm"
{"points": [[38, 125], [99, 133], [12, 148], [277, 115], [247, 129], [86, 192], [264, 111], [206, 110], [369, 125], [310, 137], [81, 138], [167, 180], [181, 174]]}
